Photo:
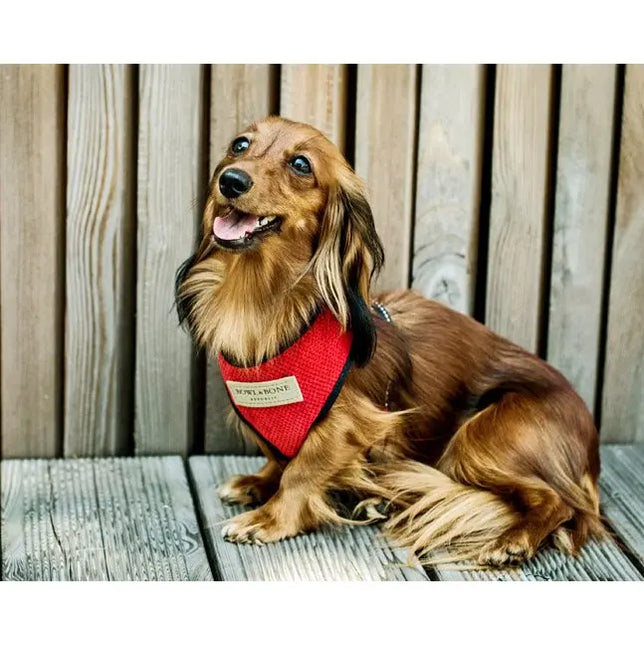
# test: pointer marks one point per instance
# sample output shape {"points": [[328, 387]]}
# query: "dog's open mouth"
{"points": [[237, 229]]}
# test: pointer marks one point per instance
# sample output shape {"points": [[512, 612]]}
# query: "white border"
{"points": [[320, 31], [340, 613]]}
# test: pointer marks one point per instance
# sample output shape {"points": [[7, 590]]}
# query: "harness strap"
{"points": [[383, 312], [283, 397]]}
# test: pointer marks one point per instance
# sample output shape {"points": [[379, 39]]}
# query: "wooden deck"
{"points": [[158, 518]]}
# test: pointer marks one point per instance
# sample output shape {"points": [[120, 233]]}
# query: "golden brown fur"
{"points": [[485, 451]]}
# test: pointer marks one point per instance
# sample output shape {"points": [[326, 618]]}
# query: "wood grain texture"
{"points": [[347, 553], [622, 493], [623, 394], [597, 561], [316, 94], [448, 183], [32, 127], [581, 214], [99, 356], [105, 519], [384, 158], [519, 200], [169, 210], [240, 94]]}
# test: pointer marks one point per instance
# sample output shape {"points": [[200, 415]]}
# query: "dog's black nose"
{"points": [[234, 182]]}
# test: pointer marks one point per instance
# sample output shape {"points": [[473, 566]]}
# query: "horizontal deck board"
{"points": [[597, 561], [622, 493], [134, 519], [345, 553], [100, 519]]}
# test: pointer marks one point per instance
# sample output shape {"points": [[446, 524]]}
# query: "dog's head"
{"points": [[284, 191]]}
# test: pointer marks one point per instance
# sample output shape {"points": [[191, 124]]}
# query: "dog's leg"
{"points": [[250, 490], [300, 503], [545, 512], [526, 451]]}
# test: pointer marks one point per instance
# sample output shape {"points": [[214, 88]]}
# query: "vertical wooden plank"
{"points": [[100, 278], [519, 201], [32, 127], [384, 158], [623, 394], [240, 94], [581, 211], [448, 184], [169, 187], [316, 94]]}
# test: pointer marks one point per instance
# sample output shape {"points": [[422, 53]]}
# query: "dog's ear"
{"points": [[348, 255], [184, 295], [181, 301]]}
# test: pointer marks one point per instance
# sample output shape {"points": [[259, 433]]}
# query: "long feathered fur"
{"points": [[480, 450]]}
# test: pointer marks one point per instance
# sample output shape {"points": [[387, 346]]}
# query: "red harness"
{"points": [[282, 398]]}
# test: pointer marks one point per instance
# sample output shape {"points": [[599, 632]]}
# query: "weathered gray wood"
{"points": [[597, 561], [622, 493], [448, 184], [623, 394], [347, 553], [240, 94], [384, 158], [103, 519], [32, 165], [519, 199], [316, 94], [170, 184], [101, 234], [581, 213]]}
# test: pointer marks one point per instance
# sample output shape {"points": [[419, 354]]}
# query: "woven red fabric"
{"points": [[319, 360]]}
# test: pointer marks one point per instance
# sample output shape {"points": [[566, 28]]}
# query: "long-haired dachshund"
{"points": [[480, 450]]}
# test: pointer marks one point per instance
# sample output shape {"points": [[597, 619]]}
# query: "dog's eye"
{"points": [[301, 165], [239, 145]]}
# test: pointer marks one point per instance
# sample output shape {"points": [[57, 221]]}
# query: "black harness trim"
{"points": [[383, 312]]}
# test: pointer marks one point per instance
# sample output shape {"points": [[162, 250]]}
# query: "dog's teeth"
{"points": [[262, 221]]}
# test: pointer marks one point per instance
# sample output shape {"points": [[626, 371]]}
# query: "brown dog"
{"points": [[481, 449]]}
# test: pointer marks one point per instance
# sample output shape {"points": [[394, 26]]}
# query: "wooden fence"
{"points": [[512, 193]]}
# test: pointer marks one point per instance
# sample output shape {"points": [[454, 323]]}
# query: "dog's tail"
{"points": [[440, 519], [445, 521]]}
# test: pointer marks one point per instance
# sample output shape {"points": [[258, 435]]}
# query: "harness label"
{"points": [[265, 394]]}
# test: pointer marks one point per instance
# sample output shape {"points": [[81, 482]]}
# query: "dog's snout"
{"points": [[234, 182]]}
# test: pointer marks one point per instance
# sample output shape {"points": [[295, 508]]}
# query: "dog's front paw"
{"points": [[256, 527], [249, 490]]}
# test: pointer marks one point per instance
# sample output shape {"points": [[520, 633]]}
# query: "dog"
{"points": [[477, 450]]}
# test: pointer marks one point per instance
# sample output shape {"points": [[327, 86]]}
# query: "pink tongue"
{"points": [[233, 226]]}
